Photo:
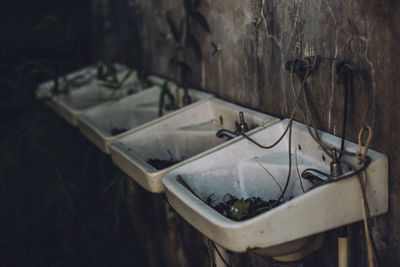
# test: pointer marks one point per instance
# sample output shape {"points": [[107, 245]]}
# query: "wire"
{"points": [[345, 76], [297, 169], [363, 180], [262, 166], [219, 254], [209, 253], [305, 68]]}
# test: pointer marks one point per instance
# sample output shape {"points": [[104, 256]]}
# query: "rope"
{"points": [[362, 178], [361, 157]]}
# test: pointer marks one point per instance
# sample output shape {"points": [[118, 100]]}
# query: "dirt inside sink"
{"points": [[160, 164]]}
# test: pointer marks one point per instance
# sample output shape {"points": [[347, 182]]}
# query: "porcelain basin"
{"points": [[237, 170], [115, 119], [180, 138], [82, 76], [86, 92]]}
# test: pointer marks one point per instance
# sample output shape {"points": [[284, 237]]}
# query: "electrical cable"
{"points": [[219, 254], [304, 68]]}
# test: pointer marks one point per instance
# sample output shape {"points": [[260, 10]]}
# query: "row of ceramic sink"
{"points": [[179, 154]]}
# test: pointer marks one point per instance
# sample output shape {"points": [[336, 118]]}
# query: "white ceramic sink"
{"points": [[87, 92], [113, 120], [180, 138], [284, 229], [82, 76]]}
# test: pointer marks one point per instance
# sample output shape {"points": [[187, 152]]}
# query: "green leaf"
{"points": [[161, 99], [120, 195], [240, 209], [165, 92], [56, 85], [38, 27], [178, 48], [111, 72], [173, 29], [188, 6], [68, 32], [173, 60], [51, 18], [170, 97], [68, 198], [114, 181], [110, 85], [194, 44], [185, 70], [107, 72], [46, 22], [181, 29], [201, 20], [126, 76], [184, 66]]}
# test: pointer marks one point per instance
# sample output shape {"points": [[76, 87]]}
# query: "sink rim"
{"points": [[43, 88], [150, 177], [103, 142], [69, 113]]}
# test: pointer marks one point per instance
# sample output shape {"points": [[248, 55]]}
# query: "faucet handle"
{"points": [[336, 168], [243, 127]]}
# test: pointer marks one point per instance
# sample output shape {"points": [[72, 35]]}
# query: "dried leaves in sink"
{"points": [[160, 164], [116, 131], [234, 208], [241, 209]]}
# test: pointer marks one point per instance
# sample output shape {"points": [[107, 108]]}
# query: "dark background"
{"points": [[61, 199]]}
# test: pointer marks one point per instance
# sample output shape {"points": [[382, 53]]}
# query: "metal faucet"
{"points": [[241, 129], [224, 132], [316, 176]]}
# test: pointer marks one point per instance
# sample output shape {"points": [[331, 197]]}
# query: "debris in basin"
{"points": [[241, 209], [117, 131], [234, 208], [131, 91], [165, 92], [62, 85], [160, 164]]}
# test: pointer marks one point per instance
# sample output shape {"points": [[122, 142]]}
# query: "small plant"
{"points": [[185, 40], [62, 85], [107, 73], [165, 92]]}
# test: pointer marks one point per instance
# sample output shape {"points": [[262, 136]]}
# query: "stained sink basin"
{"points": [[149, 153], [87, 91], [82, 76], [244, 170], [115, 119]]}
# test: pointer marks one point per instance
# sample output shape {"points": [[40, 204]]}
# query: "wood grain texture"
{"points": [[257, 37]]}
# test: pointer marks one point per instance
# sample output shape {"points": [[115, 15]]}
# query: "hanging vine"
{"points": [[184, 41]]}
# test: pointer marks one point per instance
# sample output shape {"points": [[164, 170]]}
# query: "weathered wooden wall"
{"points": [[257, 37]]}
